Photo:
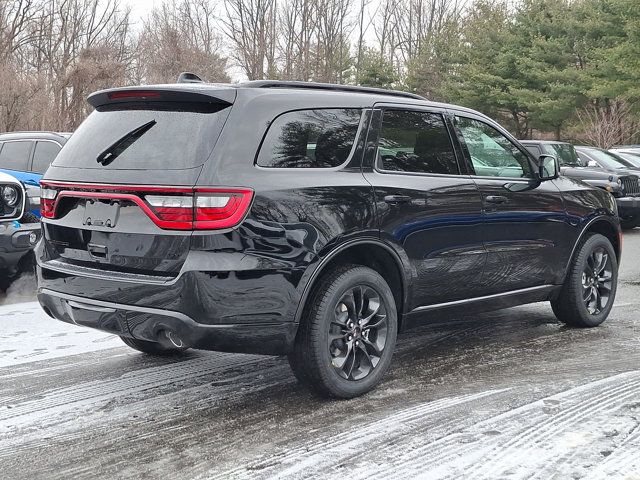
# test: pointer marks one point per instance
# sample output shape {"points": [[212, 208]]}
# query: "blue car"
{"points": [[27, 155]]}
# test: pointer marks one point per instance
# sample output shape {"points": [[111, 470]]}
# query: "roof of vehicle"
{"points": [[60, 137], [545, 142], [349, 95]]}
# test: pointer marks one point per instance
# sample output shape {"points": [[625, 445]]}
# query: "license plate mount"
{"points": [[101, 214]]}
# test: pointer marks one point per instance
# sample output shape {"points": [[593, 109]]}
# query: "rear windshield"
{"points": [[143, 139]]}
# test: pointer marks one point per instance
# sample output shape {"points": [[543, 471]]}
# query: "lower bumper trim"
{"points": [[152, 324]]}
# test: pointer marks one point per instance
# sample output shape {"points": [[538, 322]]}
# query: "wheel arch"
{"points": [[371, 253], [604, 226]]}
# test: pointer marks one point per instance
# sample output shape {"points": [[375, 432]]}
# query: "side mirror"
{"points": [[548, 167], [593, 163]]}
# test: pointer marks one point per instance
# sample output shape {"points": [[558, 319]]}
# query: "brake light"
{"points": [[221, 208], [132, 94], [47, 202], [171, 208]]}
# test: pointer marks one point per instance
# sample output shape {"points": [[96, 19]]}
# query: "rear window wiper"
{"points": [[115, 150]]}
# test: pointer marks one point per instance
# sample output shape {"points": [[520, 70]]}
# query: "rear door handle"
{"points": [[395, 199], [496, 199]]}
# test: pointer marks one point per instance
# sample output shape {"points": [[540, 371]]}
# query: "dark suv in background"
{"points": [[622, 183], [309, 220]]}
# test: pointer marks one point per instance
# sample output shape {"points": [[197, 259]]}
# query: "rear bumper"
{"points": [[153, 324], [16, 241], [629, 208]]}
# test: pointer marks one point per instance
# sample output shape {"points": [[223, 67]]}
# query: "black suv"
{"points": [[623, 184], [309, 220]]}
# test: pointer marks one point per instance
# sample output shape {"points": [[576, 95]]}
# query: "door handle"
{"points": [[496, 199], [395, 199]]}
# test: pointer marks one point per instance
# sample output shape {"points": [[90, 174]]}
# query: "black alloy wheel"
{"points": [[596, 281], [358, 333], [589, 289], [347, 335]]}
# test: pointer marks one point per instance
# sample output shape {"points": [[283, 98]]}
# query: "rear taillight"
{"points": [[170, 208], [217, 208], [47, 202]]}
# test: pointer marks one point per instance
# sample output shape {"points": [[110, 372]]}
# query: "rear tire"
{"points": [[589, 289], [346, 338], [152, 348]]}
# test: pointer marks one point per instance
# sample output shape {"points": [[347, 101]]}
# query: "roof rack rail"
{"points": [[328, 86], [188, 77], [29, 132]]}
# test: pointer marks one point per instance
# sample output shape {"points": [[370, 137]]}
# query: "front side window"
{"points": [[492, 154], [416, 142], [321, 138], [43, 155], [15, 155]]}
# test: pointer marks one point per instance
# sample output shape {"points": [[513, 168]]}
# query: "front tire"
{"points": [[346, 338], [589, 290], [152, 348]]}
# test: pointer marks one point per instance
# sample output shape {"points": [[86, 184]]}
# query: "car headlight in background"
{"points": [[10, 195]]}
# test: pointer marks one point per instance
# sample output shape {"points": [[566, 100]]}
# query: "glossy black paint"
{"points": [[244, 289]]}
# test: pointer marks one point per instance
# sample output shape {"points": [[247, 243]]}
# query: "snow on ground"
{"points": [[27, 334]]}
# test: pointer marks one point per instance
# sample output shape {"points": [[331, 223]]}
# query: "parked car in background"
{"points": [[27, 155], [310, 220], [19, 229], [601, 158], [630, 155], [623, 184]]}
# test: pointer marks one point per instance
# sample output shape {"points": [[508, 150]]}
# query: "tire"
{"points": [[358, 356], [152, 348], [577, 304]]}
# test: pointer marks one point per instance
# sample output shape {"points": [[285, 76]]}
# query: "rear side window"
{"points": [[15, 155], [321, 138], [143, 139], [415, 142], [43, 155]]}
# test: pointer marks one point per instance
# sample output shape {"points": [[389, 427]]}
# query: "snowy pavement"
{"points": [[503, 395], [27, 334]]}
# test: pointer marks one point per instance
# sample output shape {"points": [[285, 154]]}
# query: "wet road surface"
{"points": [[508, 394]]}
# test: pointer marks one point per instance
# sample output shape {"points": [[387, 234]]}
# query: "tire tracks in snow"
{"points": [[92, 392], [472, 453], [316, 454], [623, 461]]}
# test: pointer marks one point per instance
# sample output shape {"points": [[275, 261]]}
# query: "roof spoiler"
{"points": [[166, 94]]}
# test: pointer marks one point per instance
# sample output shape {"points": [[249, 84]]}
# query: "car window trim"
{"points": [[29, 157], [503, 132], [33, 154], [382, 107], [342, 166]]}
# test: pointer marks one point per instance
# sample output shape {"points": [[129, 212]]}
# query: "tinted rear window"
{"points": [[171, 140], [321, 138], [15, 155]]}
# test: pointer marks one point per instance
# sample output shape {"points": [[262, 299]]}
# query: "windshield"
{"points": [[565, 153], [145, 139], [632, 158], [607, 159]]}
